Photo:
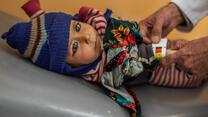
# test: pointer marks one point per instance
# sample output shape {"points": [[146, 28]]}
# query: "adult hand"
{"points": [[160, 23], [191, 57], [176, 44]]}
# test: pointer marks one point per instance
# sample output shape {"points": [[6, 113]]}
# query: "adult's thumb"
{"points": [[156, 32]]}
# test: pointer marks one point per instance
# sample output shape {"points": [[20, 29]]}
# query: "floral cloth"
{"points": [[127, 58], [124, 57]]}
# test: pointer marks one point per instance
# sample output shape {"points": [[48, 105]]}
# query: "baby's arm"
{"points": [[170, 76], [32, 8]]}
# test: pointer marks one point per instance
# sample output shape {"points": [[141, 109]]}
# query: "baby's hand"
{"points": [[176, 44], [173, 46], [169, 51]]}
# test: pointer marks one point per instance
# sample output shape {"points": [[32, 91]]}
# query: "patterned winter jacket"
{"points": [[126, 60]]}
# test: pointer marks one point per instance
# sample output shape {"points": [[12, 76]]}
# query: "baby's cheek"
{"points": [[68, 60], [89, 55]]}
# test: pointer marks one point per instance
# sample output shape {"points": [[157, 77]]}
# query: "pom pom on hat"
{"points": [[17, 37]]}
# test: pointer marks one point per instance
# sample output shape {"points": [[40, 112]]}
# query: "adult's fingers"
{"points": [[143, 29], [168, 28], [156, 31], [146, 40], [144, 34]]}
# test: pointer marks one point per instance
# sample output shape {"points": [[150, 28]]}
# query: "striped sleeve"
{"points": [[95, 18], [172, 77]]}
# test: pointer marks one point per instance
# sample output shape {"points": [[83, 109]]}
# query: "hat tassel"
{"points": [[4, 36]]}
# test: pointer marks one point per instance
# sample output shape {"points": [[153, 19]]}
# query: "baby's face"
{"points": [[84, 45]]}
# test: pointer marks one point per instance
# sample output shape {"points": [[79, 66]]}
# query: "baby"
{"points": [[96, 47]]}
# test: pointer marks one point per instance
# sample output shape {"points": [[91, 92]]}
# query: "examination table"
{"points": [[29, 91]]}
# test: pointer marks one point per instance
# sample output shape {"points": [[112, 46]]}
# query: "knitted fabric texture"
{"points": [[44, 40]]}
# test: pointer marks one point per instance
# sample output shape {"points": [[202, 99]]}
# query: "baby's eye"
{"points": [[75, 46], [78, 27]]}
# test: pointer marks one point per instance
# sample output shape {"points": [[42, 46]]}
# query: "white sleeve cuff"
{"points": [[193, 11]]}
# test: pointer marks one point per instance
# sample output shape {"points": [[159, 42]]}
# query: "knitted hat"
{"points": [[44, 40]]}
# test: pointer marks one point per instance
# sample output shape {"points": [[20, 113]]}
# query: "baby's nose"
{"points": [[87, 39]]}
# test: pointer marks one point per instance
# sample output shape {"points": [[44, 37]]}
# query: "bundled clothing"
{"points": [[124, 60]]}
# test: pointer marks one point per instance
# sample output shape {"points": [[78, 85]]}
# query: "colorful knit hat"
{"points": [[44, 40]]}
